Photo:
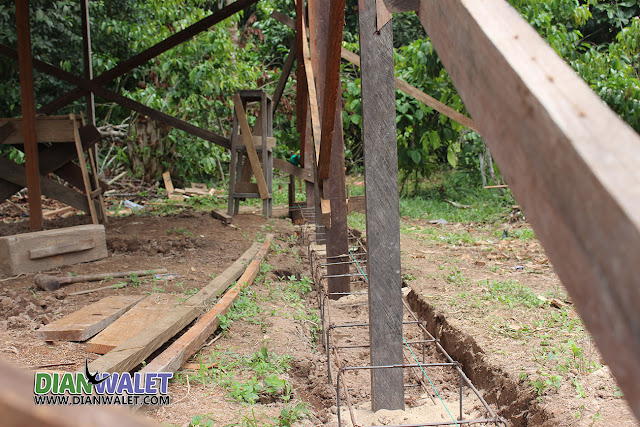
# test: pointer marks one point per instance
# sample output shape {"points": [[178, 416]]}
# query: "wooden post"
{"points": [[383, 216], [334, 189], [303, 107], [88, 66], [28, 114]]}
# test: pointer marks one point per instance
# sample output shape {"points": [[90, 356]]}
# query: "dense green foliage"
{"points": [[599, 39]]}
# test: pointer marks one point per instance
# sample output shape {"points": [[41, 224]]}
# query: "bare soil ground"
{"points": [[499, 308], [513, 329]]}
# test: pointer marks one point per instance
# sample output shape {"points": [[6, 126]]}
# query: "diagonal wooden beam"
{"points": [[420, 96], [571, 162], [247, 139], [150, 53], [332, 87], [400, 84], [284, 75], [15, 174], [311, 85], [91, 86], [154, 114]]}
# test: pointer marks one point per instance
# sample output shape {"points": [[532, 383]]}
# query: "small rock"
{"points": [[3, 325], [14, 322], [60, 294], [32, 310], [6, 303], [44, 319]]}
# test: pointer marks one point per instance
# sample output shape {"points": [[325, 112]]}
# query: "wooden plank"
{"points": [[551, 136], [150, 53], [49, 249], [168, 184], [88, 321], [402, 5], [47, 130], [191, 341], [17, 406], [357, 204], [29, 114], [227, 219], [287, 167], [143, 314], [245, 135], [311, 86], [85, 173], [382, 201], [246, 187], [257, 141], [132, 352], [332, 86], [61, 249]]}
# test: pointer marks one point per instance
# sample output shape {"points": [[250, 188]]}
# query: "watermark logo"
{"points": [[86, 388]]}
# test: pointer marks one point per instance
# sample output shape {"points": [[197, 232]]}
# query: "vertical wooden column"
{"points": [[28, 114], [334, 187], [88, 66], [303, 108], [383, 216]]}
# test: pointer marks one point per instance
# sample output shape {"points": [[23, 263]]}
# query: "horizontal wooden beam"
{"points": [[287, 167], [150, 53], [571, 163], [402, 5], [48, 129]]}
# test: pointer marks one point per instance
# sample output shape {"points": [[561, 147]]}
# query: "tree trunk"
{"points": [[150, 149]]}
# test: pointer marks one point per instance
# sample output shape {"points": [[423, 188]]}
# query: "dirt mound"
{"points": [[20, 312]]}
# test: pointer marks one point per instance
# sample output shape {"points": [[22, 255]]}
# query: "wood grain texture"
{"points": [[132, 352], [332, 87], [382, 204], [143, 314], [88, 321], [402, 5], [571, 162], [192, 340], [150, 53], [17, 408], [48, 129]]}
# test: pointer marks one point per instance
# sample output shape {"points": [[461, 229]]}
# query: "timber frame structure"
{"points": [[547, 130]]}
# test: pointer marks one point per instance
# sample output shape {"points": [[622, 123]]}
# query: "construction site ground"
{"points": [[493, 301]]}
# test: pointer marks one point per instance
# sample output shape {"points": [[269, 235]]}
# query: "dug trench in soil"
{"points": [[516, 403]]}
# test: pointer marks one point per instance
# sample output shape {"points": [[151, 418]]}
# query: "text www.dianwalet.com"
{"points": [[101, 400]]}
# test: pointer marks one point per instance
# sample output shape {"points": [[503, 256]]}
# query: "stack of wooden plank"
{"points": [[195, 189], [128, 329]]}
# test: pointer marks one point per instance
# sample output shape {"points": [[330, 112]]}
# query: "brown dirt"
{"points": [[494, 341], [506, 345]]}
